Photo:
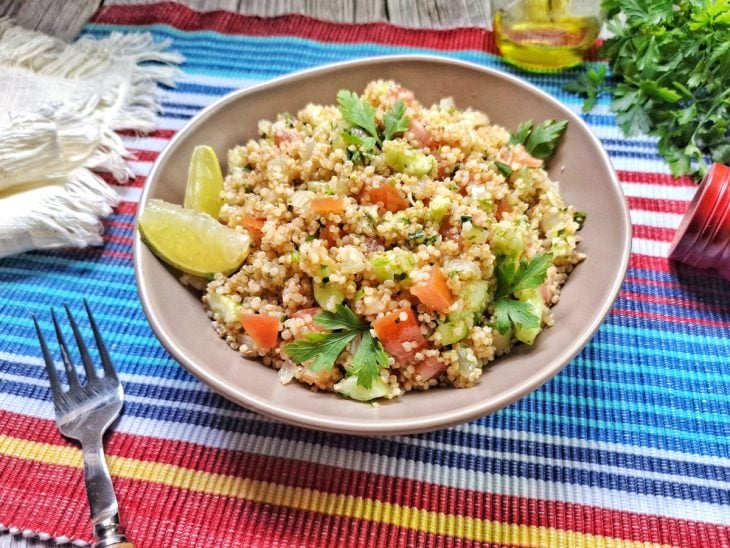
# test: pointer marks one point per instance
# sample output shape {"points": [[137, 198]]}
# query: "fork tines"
{"points": [[71, 374]]}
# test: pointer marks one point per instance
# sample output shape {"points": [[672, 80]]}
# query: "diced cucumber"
{"points": [[393, 264], [453, 330], [228, 310], [475, 295], [533, 298], [405, 159], [501, 342], [467, 360], [474, 234], [350, 388], [438, 208], [507, 239], [328, 295]]}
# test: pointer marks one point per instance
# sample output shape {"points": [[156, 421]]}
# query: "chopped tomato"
{"points": [[263, 329], [429, 367], [308, 314], [434, 292], [330, 204], [283, 137], [254, 225], [390, 197], [450, 232], [424, 137], [393, 331], [503, 206], [518, 153], [330, 233]]}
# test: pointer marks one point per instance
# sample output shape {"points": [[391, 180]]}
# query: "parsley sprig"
{"points": [[671, 64], [512, 278], [325, 348], [540, 140], [360, 114]]}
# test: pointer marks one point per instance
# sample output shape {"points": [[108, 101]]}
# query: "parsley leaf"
{"points": [[671, 62], [590, 84], [509, 312], [369, 359], [342, 318], [325, 348], [541, 140], [396, 121], [512, 278], [358, 112]]}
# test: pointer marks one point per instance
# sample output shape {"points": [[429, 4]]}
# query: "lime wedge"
{"points": [[205, 182], [192, 241]]}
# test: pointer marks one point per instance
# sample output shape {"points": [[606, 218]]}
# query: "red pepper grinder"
{"points": [[703, 237]]}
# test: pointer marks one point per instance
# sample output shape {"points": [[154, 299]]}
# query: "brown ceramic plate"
{"points": [[581, 165]]}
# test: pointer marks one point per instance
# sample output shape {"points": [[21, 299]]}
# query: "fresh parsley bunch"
{"points": [[671, 64]]}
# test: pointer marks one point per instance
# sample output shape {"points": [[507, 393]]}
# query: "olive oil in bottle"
{"points": [[545, 34]]}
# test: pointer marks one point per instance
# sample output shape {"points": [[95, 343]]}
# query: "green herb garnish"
{"points": [[590, 84], [511, 279], [671, 64], [360, 114], [541, 140], [324, 348], [503, 168]]}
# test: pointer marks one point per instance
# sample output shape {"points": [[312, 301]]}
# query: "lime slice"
{"points": [[192, 241], [205, 182]]}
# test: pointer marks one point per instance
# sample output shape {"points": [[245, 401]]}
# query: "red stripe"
{"points": [[653, 178], [183, 18], [657, 205], [653, 233], [677, 301], [669, 318], [420, 494], [684, 286], [193, 519], [141, 155], [158, 133]]}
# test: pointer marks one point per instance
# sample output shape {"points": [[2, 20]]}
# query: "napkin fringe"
{"points": [[65, 213], [48, 195]]}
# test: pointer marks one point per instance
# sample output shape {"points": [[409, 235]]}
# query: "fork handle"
{"points": [[108, 531], [109, 534]]}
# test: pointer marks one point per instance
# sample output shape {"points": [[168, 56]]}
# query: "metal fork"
{"points": [[84, 412]]}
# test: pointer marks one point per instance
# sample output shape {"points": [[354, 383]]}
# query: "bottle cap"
{"points": [[703, 237]]}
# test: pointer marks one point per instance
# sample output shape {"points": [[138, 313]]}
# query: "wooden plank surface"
{"points": [[64, 19]]}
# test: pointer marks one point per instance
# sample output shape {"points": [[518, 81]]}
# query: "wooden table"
{"points": [[65, 19]]}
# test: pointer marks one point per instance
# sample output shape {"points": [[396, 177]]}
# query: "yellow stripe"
{"points": [[437, 523]]}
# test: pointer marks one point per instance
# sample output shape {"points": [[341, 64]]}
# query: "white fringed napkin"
{"points": [[60, 105]]}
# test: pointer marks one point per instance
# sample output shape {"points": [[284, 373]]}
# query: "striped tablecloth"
{"points": [[629, 445]]}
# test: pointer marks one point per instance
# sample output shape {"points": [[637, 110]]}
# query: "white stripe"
{"points": [[127, 193], [653, 218], [148, 144], [659, 192], [652, 248], [415, 470]]}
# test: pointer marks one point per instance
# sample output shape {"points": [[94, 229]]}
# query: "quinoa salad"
{"points": [[394, 246]]}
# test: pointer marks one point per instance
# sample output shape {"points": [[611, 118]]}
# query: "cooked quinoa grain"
{"points": [[415, 228]]}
